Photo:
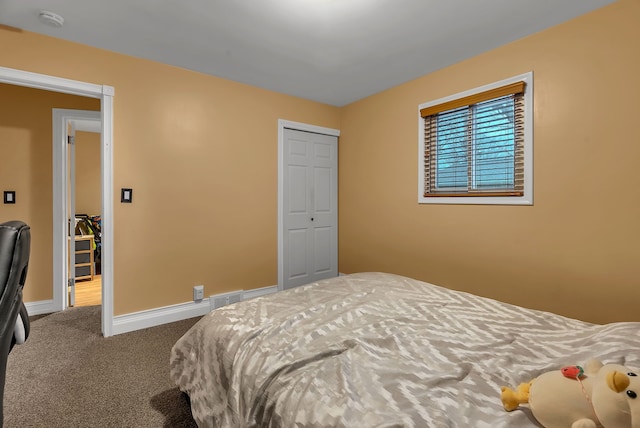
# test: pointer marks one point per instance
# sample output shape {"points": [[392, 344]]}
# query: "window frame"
{"points": [[527, 197]]}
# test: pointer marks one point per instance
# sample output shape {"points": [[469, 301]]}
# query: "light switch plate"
{"points": [[126, 196], [9, 197]]}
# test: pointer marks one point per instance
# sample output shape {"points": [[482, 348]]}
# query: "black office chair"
{"points": [[15, 247]]}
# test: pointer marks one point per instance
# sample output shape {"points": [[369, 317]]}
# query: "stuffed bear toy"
{"points": [[596, 396]]}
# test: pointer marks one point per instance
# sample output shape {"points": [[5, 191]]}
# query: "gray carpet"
{"points": [[68, 375]]}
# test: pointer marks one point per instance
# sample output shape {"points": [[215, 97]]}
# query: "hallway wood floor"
{"points": [[89, 293]]}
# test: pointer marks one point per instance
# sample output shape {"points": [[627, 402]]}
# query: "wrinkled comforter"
{"points": [[378, 350]]}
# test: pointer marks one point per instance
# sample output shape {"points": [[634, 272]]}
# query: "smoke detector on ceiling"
{"points": [[51, 18]]}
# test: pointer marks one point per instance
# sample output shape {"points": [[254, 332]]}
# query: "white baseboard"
{"points": [[250, 294], [158, 316], [40, 307], [152, 317], [182, 311]]}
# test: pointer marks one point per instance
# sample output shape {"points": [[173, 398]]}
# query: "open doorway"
{"points": [[105, 94], [81, 175]]}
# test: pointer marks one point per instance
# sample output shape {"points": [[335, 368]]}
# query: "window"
{"points": [[476, 147]]}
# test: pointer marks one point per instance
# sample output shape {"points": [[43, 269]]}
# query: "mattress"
{"points": [[378, 350]]}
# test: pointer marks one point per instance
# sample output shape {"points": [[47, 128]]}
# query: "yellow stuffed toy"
{"points": [[596, 396]]}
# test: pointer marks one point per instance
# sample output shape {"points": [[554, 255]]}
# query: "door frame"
{"points": [[88, 120], [297, 126], [105, 94]]}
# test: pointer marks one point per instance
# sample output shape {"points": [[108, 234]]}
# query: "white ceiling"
{"points": [[331, 51]]}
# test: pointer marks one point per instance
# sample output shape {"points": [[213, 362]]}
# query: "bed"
{"points": [[378, 350]]}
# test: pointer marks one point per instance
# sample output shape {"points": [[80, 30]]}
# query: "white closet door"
{"points": [[310, 207]]}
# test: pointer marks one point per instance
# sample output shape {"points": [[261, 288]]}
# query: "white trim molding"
{"points": [[50, 83], [258, 292], [155, 317], [182, 311], [40, 307], [106, 252]]}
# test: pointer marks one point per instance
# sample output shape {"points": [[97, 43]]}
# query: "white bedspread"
{"points": [[378, 350]]}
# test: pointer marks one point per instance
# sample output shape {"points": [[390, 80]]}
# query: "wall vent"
{"points": [[224, 299]]}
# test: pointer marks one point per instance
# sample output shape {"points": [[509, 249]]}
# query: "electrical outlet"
{"points": [[198, 293]]}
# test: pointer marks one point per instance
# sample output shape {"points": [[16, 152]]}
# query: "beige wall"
{"points": [[201, 155], [576, 250], [26, 167], [88, 178]]}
